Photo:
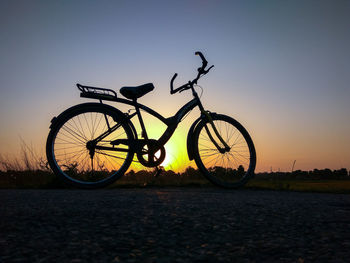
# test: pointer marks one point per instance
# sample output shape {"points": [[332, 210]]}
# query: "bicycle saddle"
{"points": [[136, 92]]}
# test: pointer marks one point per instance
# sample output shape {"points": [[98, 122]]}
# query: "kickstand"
{"points": [[158, 171]]}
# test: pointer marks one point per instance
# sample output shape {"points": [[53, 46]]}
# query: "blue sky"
{"points": [[281, 67]]}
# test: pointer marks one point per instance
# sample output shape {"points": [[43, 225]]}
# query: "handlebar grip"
{"points": [[202, 56], [171, 84], [172, 79]]}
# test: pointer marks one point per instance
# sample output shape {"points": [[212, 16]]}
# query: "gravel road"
{"points": [[173, 225]]}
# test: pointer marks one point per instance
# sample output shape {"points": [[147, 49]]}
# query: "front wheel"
{"points": [[228, 167]]}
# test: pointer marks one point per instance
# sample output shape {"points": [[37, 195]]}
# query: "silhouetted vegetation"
{"points": [[190, 177], [40, 178], [316, 174], [30, 171]]}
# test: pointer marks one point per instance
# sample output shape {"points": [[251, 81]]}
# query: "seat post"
{"points": [[144, 132]]}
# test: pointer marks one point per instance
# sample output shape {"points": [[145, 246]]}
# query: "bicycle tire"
{"points": [[231, 169], [67, 151]]}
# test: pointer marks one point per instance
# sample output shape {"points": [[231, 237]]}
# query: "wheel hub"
{"points": [[91, 146]]}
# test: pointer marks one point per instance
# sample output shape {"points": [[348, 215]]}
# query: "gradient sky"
{"points": [[282, 69]]}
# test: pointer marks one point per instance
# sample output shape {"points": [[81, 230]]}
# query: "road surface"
{"points": [[173, 225]]}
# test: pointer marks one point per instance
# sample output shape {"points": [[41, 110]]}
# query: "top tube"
{"points": [[168, 121], [180, 114]]}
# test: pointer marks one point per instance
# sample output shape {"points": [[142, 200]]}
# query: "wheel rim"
{"points": [[226, 168], [72, 157]]}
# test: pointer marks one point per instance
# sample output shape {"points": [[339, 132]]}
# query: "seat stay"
{"points": [[106, 133]]}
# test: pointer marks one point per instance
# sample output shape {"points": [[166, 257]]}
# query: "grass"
{"points": [[165, 179], [320, 186], [47, 180], [29, 171]]}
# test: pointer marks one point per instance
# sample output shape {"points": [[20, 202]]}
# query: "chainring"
{"points": [[151, 153]]}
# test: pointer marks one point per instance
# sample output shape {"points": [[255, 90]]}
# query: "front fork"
{"points": [[210, 120]]}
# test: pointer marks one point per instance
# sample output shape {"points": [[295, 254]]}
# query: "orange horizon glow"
{"points": [[268, 159]]}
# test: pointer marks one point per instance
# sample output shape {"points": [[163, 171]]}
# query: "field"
{"points": [[322, 186], [32, 172], [45, 180]]}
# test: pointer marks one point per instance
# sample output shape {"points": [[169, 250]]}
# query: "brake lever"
{"points": [[186, 87], [206, 71]]}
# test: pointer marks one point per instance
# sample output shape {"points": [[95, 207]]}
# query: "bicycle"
{"points": [[91, 145]]}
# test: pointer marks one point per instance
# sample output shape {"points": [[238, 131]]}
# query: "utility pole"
{"points": [[293, 165]]}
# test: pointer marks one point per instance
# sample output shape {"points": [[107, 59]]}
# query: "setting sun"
{"points": [[168, 161]]}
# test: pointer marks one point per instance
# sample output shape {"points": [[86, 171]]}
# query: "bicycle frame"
{"points": [[171, 122]]}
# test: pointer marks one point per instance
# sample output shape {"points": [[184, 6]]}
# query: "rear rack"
{"points": [[97, 93]]}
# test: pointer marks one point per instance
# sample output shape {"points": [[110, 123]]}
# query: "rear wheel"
{"points": [[75, 155], [231, 167]]}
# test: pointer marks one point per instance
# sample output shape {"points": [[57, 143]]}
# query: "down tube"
{"points": [[172, 122]]}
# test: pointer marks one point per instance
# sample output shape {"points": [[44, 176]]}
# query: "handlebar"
{"points": [[201, 71], [172, 91], [179, 89], [204, 61]]}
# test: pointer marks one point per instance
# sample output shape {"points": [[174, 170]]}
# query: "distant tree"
{"points": [[341, 173], [131, 173], [190, 171], [240, 170], [169, 173]]}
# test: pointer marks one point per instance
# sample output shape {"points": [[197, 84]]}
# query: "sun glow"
{"points": [[168, 162], [176, 158]]}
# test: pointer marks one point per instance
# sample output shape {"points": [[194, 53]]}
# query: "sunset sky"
{"points": [[282, 69]]}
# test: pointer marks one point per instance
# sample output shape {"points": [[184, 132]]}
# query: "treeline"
{"points": [[316, 174], [29, 179], [191, 176]]}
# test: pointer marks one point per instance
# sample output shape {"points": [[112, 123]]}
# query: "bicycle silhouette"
{"points": [[91, 145]]}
